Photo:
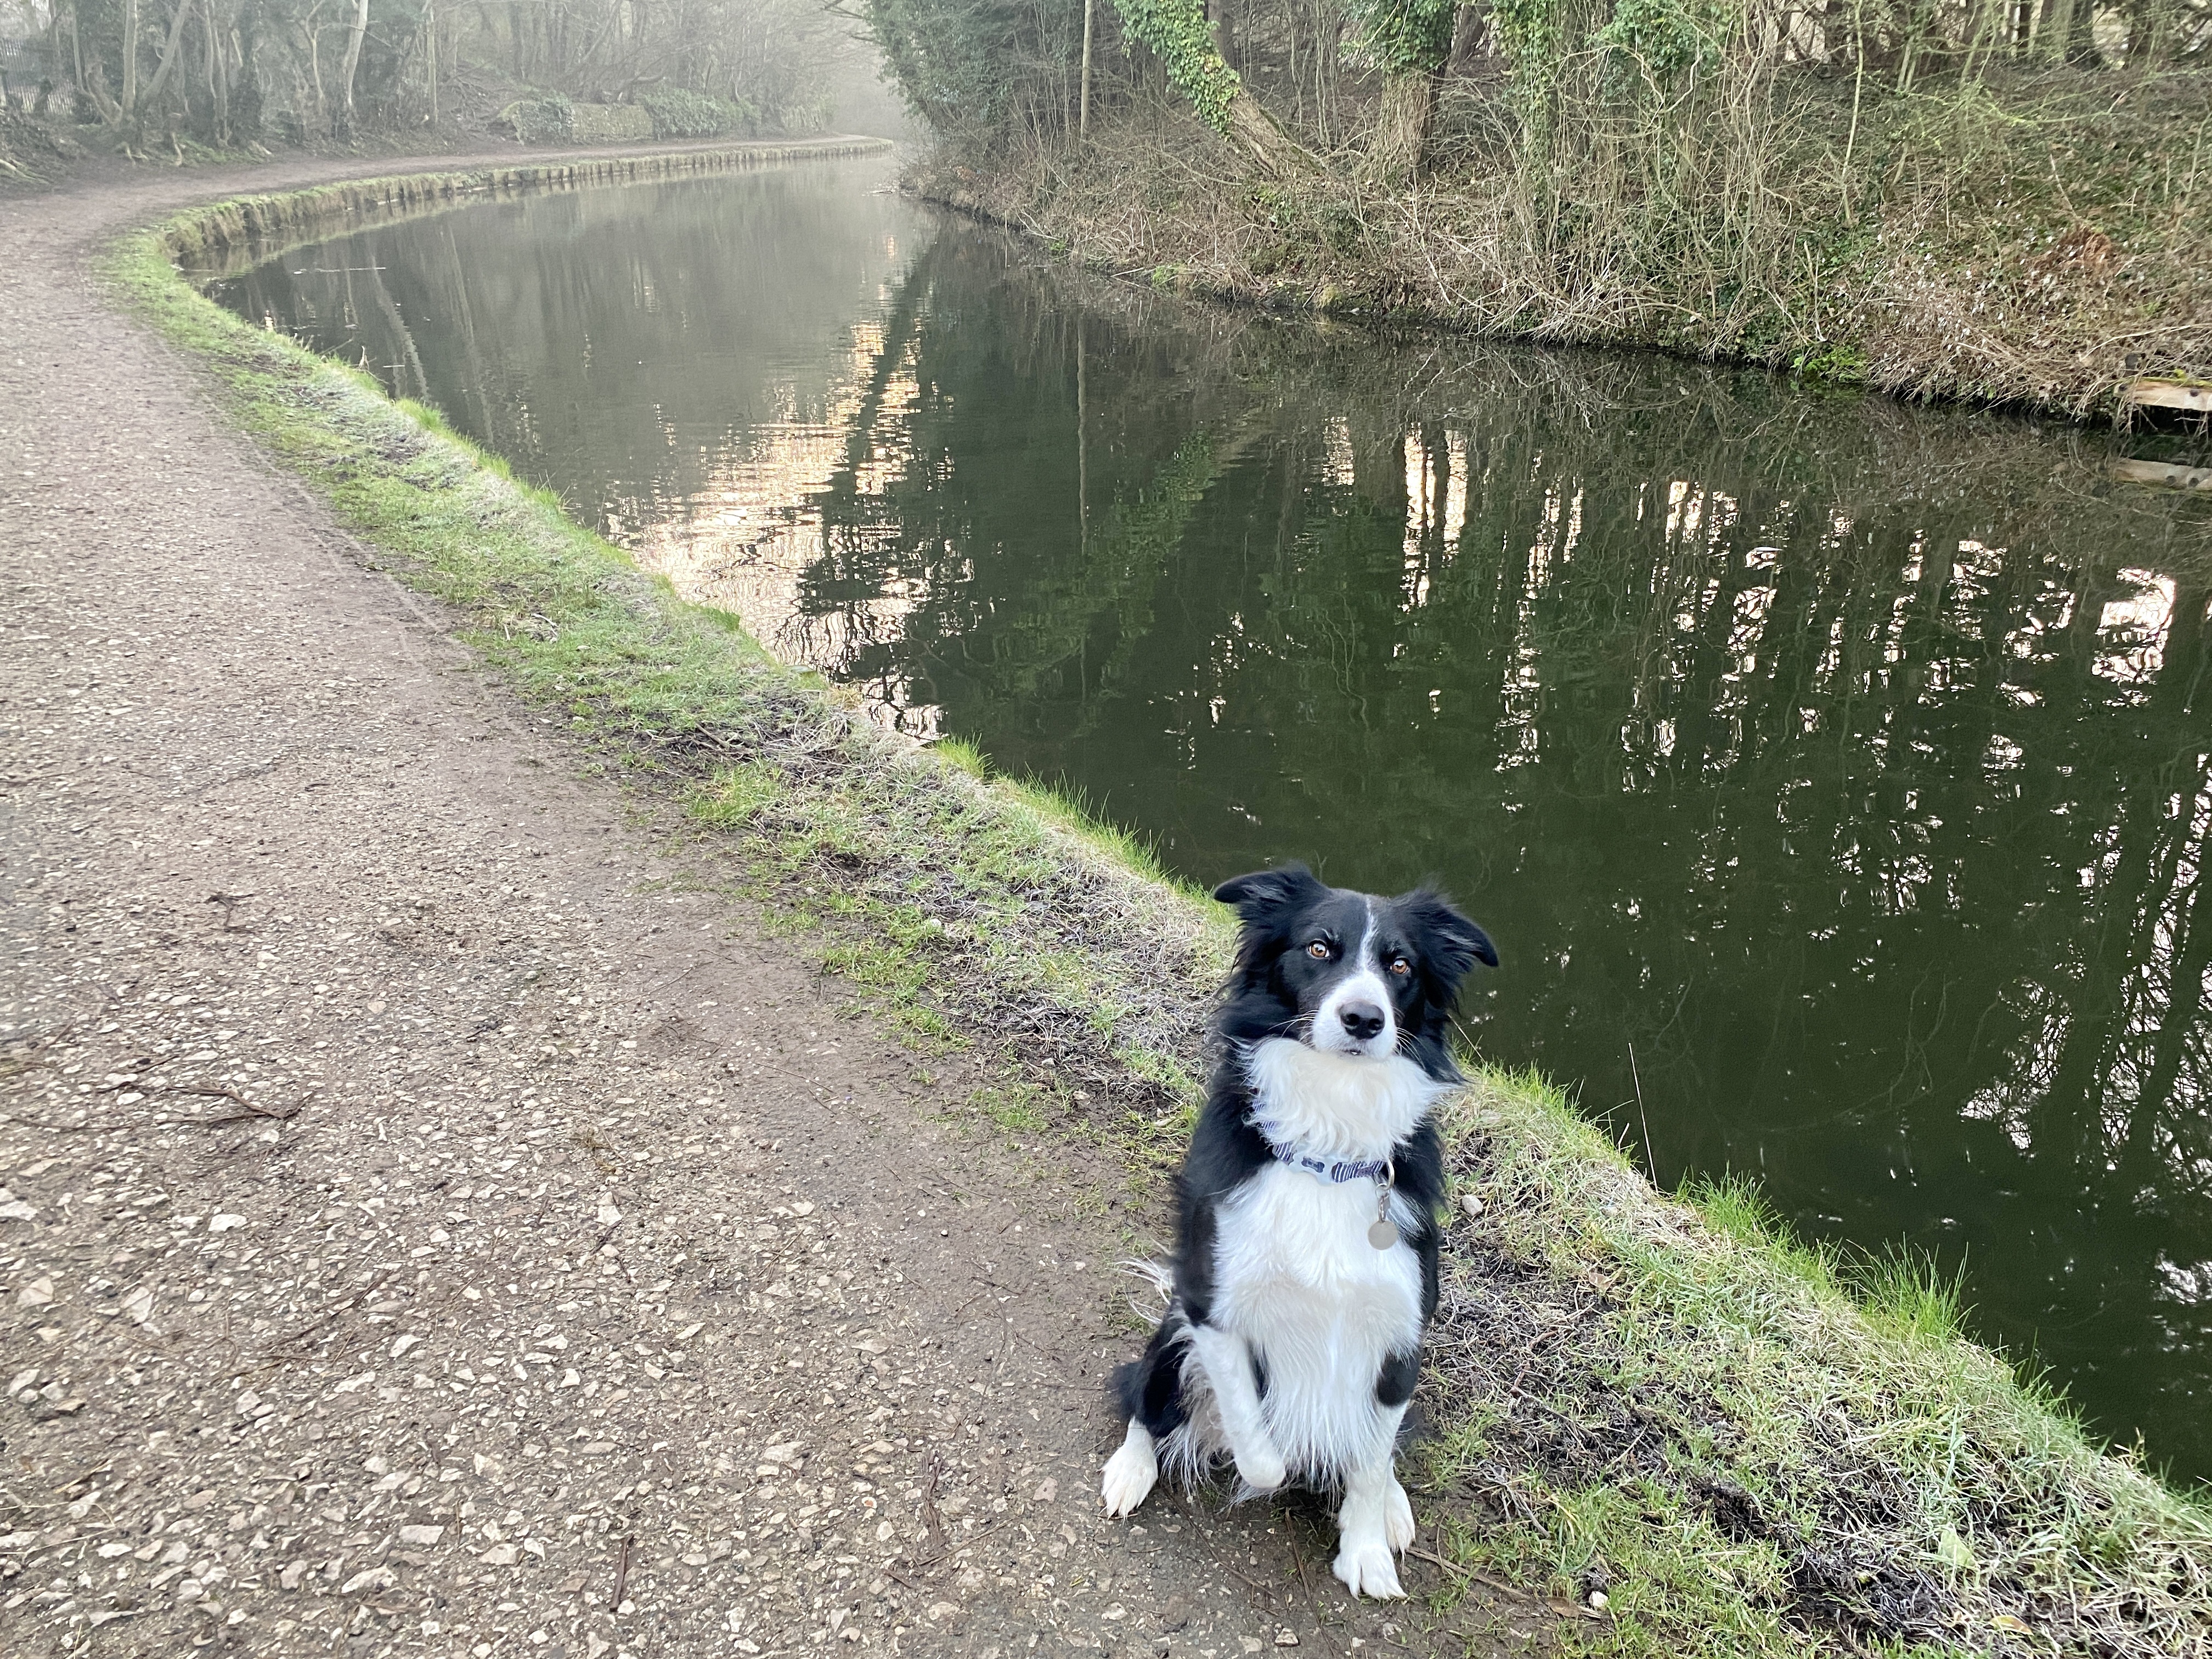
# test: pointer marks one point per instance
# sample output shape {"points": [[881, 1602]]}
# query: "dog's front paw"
{"points": [[1368, 1568], [1398, 1518], [1262, 1470], [1130, 1474]]}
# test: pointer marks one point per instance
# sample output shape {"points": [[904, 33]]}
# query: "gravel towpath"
{"points": [[434, 1222]]}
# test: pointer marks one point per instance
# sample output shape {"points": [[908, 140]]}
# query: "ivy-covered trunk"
{"points": [[1181, 35], [1413, 41]]}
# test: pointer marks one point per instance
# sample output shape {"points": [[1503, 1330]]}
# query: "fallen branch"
{"points": [[1565, 1608], [223, 1092]]}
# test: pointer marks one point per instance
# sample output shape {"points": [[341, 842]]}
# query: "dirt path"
{"points": [[434, 1221]]}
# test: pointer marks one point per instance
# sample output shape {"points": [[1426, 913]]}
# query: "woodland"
{"points": [[1291, 80], [234, 73], [2000, 200]]}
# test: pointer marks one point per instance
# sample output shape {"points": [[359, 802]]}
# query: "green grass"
{"points": [[1883, 1457], [735, 795], [1621, 1376]]}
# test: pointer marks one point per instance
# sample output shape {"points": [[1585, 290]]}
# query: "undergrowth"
{"points": [[2027, 235], [1687, 1433]]}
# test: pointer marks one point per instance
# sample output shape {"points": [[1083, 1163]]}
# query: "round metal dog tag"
{"points": [[1382, 1236]]}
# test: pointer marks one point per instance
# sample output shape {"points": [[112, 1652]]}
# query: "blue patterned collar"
{"points": [[1340, 1171]]}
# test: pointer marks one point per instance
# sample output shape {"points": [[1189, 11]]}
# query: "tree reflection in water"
{"points": [[1848, 760]]}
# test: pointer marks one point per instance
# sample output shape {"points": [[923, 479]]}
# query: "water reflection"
{"points": [[1847, 761]]}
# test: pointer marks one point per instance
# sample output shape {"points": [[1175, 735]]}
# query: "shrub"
{"points": [[678, 113], [608, 124], [547, 120]]}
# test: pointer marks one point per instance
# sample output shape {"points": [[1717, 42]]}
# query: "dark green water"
{"points": [[1852, 763]]}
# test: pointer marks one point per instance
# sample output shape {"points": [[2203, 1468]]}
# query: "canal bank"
{"points": [[1759, 1409]]}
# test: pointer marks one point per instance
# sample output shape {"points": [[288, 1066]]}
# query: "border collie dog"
{"points": [[1305, 1267]]}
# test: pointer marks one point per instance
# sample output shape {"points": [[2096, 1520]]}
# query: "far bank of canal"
{"points": [[1834, 774]]}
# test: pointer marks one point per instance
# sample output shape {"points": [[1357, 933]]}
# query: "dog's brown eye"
{"points": [[1401, 967], [1318, 951]]}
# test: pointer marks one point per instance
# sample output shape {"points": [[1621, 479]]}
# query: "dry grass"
{"points": [[2033, 238]]}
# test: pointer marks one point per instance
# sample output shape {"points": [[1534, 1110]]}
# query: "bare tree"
{"points": [[352, 64]]}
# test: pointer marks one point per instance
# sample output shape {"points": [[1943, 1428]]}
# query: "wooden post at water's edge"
{"points": [[2194, 396], [2171, 475]]}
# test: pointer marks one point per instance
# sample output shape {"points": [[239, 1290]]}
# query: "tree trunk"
{"points": [[1083, 107], [1405, 122], [246, 107], [1261, 137], [92, 80], [2067, 34], [315, 66], [1470, 25], [76, 46], [129, 57], [2081, 40], [352, 62], [168, 57], [217, 81], [1178, 32], [1224, 29]]}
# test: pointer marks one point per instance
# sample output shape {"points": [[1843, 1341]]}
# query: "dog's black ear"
{"points": [[1266, 893], [1449, 941]]}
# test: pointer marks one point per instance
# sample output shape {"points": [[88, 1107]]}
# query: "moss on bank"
{"points": [[1662, 1404]]}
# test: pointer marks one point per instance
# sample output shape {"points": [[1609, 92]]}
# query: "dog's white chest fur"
{"points": [[1295, 1274], [1336, 1105]]}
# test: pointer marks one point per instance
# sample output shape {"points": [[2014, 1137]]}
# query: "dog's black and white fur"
{"points": [[1291, 1341]]}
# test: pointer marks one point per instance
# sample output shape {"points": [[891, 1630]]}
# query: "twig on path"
{"points": [[1504, 1587], [1299, 1560], [929, 1517], [230, 901], [87, 1475], [223, 1092], [958, 1544], [353, 1299], [1475, 1573], [622, 1574]]}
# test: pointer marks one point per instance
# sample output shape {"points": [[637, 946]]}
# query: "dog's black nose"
{"points": [[1361, 1019]]}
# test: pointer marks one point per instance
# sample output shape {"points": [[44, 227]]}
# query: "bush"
{"points": [[553, 119], [678, 112], [608, 124], [547, 120]]}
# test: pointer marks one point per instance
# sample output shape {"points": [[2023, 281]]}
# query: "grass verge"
{"points": [[1688, 1434]]}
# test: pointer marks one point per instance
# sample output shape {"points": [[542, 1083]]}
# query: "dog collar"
{"points": [[1363, 1169], [1382, 1233]]}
